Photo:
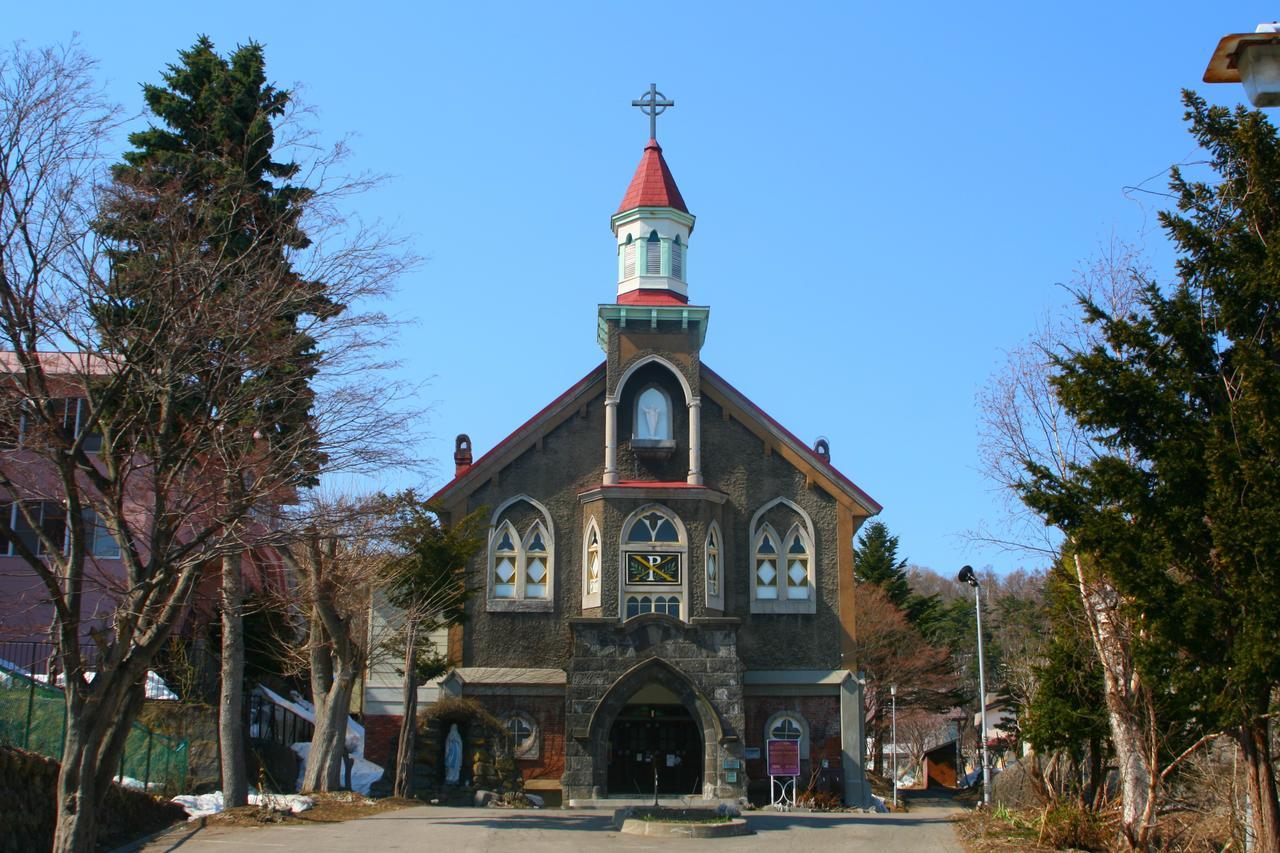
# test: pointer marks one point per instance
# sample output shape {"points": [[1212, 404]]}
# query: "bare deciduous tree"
{"points": [[1025, 424], [164, 418]]}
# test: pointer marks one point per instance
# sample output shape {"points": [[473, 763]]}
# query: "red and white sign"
{"points": [[784, 757]]}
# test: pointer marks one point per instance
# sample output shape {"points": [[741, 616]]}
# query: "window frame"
{"points": [[590, 597], [803, 527], [520, 600], [714, 545], [680, 548], [796, 717], [530, 747]]}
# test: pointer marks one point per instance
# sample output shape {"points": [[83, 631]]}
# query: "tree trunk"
{"points": [[96, 732], [329, 742], [1138, 773], [235, 783], [76, 827], [406, 748], [1264, 808]]}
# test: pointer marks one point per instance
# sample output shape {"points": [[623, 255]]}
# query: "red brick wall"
{"points": [[548, 712], [822, 713], [380, 734]]}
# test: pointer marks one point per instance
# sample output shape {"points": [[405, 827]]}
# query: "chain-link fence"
{"points": [[33, 715]]}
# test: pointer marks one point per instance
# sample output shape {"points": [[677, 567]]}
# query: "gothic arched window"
{"points": [[653, 254], [713, 565], [798, 563], [654, 551], [505, 561], [536, 562], [591, 565], [783, 567], [766, 564], [521, 568]]}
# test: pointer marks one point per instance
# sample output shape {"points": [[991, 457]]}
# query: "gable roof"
{"points": [[652, 185], [514, 444], [551, 415], [806, 453]]}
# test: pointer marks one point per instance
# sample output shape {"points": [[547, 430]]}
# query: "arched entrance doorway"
{"points": [[655, 739]]}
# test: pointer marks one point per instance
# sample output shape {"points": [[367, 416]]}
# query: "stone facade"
{"points": [[653, 433], [611, 661]]}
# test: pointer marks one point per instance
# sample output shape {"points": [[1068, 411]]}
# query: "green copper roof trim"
{"points": [[648, 316]]}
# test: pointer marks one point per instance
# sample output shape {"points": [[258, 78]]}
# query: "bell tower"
{"points": [[652, 335]]}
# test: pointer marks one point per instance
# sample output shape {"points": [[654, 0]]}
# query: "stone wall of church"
{"points": [[734, 461], [611, 660], [570, 461], [821, 716]]}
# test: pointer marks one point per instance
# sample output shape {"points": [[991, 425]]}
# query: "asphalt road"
{"points": [[926, 828]]}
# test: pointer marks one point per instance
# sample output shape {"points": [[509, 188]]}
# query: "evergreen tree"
{"points": [[1184, 513], [1067, 713], [875, 561], [207, 165]]}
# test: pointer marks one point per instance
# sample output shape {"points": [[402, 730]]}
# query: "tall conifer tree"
{"points": [[212, 147], [1184, 513]]}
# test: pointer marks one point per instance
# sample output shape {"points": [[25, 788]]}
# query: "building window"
{"points": [[535, 562], [521, 567], [638, 605], [98, 535], [653, 254], [47, 517], [50, 518], [766, 577], [783, 567], [677, 259], [712, 562], [592, 566], [797, 576], [75, 415], [789, 725], [652, 420], [654, 551], [629, 258], [522, 735], [506, 558]]}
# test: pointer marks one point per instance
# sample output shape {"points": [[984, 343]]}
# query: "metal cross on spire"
{"points": [[653, 104]]}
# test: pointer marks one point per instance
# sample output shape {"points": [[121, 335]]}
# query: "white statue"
{"points": [[452, 756]]}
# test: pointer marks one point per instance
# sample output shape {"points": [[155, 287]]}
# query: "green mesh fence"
{"points": [[33, 714]]}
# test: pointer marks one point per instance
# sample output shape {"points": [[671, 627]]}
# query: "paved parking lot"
{"points": [[926, 829]]}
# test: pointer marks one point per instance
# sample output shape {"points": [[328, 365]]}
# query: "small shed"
{"points": [[940, 766]]}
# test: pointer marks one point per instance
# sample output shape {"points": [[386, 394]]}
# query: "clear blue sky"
{"points": [[887, 194]]}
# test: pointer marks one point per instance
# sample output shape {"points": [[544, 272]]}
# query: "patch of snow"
{"points": [[363, 772], [136, 784], [307, 711], [203, 805], [877, 804], [156, 686]]}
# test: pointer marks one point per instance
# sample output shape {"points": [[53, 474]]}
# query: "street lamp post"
{"points": [[968, 576], [893, 717]]}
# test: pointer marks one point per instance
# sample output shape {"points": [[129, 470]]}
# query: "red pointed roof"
{"points": [[652, 185]]}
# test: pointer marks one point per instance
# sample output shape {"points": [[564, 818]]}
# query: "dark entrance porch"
{"points": [[649, 737]]}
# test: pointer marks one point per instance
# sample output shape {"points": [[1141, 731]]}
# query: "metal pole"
{"points": [[146, 774], [893, 716], [31, 696], [982, 700]]}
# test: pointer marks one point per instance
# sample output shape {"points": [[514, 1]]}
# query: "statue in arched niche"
{"points": [[452, 756]]}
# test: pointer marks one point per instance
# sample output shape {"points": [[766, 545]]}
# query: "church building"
{"points": [[668, 577]]}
